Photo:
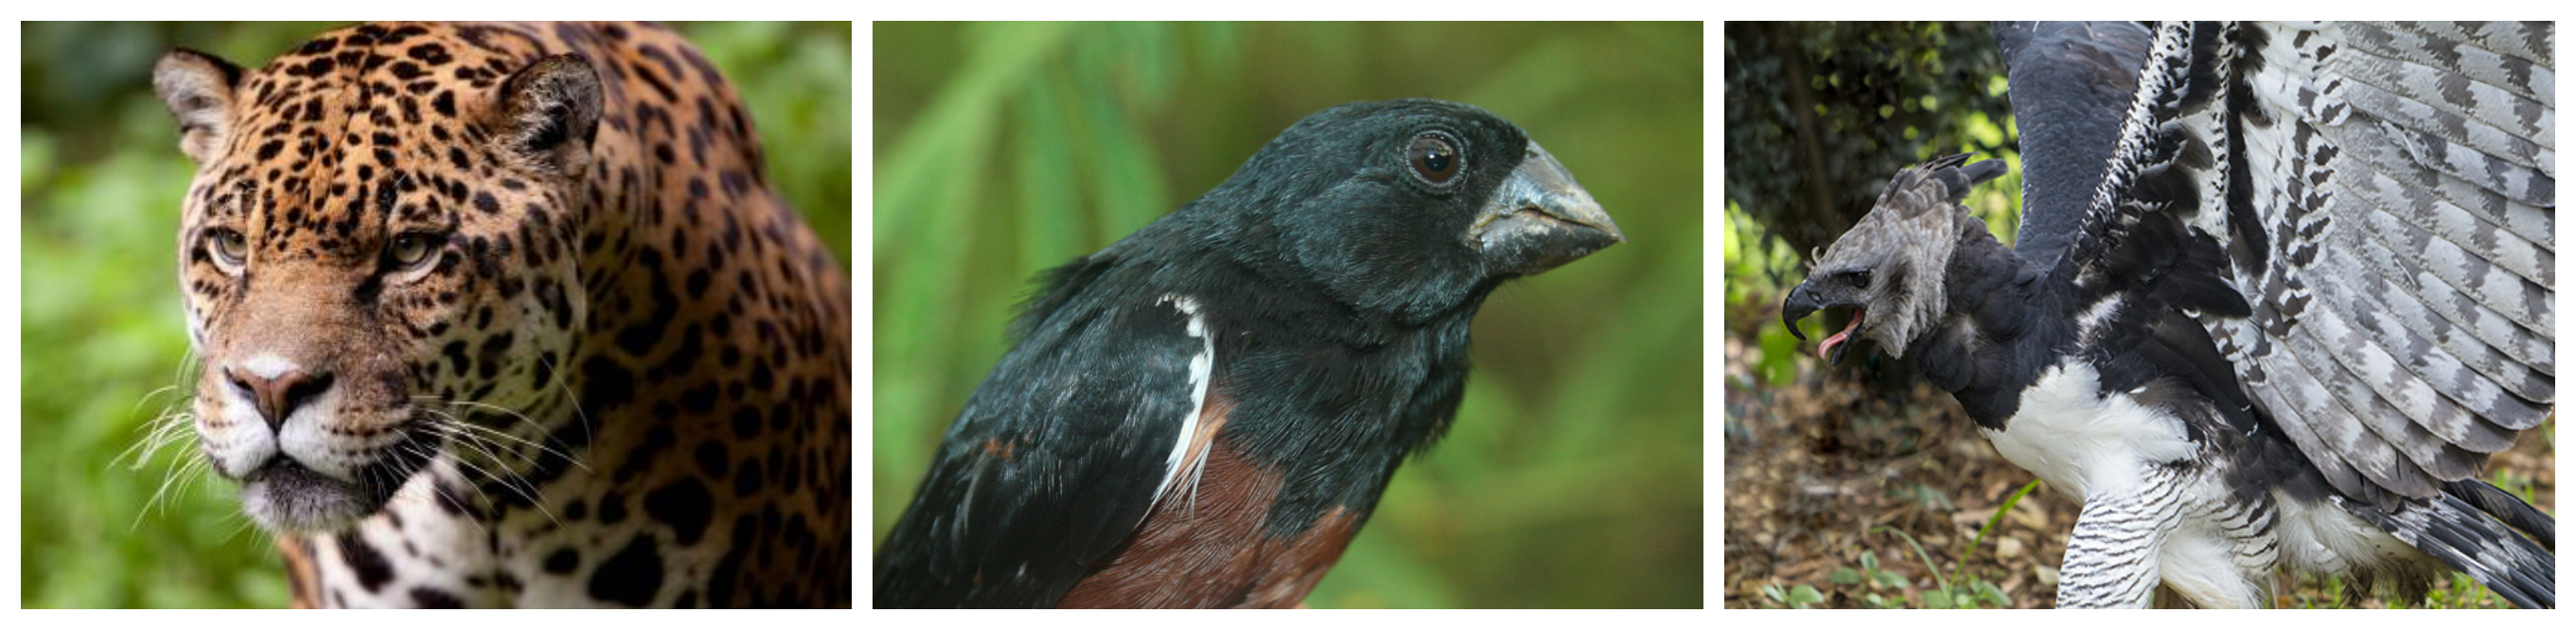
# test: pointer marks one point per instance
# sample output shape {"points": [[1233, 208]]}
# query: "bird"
{"points": [[1205, 412], [2271, 311]]}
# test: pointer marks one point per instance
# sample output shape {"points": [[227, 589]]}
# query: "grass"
{"points": [[1873, 585]]}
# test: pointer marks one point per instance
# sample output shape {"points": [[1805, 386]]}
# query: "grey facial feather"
{"points": [[1905, 241]]}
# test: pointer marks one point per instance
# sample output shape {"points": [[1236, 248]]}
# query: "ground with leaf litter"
{"points": [[1825, 483]]}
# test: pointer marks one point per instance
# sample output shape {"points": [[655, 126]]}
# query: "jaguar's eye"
{"points": [[1858, 278], [1434, 158], [229, 245], [410, 249]]}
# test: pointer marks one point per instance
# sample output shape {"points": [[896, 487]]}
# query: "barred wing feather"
{"points": [[2384, 192]]}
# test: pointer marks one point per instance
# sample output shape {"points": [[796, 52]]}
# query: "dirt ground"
{"points": [[1817, 476]]}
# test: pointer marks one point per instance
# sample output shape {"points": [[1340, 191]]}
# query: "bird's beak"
{"points": [[1800, 304], [1540, 218], [1804, 301]]}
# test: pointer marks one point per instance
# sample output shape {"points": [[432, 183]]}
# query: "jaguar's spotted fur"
{"points": [[507, 314]]}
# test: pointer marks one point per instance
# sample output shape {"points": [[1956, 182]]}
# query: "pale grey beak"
{"points": [[1540, 219]]}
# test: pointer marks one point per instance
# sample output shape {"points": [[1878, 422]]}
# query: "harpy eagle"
{"points": [[2271, 311]]}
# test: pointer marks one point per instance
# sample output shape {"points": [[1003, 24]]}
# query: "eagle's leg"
{"points": [[2222, 555], [2112, 558]]}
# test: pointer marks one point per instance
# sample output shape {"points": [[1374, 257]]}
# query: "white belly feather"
{"points": [[2088, 444], [2084, 443]]}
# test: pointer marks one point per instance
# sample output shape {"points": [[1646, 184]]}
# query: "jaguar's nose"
{"points": [[277, 387]]}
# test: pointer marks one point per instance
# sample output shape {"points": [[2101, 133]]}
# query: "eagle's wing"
{"points": [[2384, 196], [2071, 87]]}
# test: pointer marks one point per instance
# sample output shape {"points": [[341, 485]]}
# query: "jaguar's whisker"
{"points": [[572, 397], [451, 427], [516, 485], [497, 433]]}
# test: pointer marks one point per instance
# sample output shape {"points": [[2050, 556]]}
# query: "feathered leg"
{"points": [[2111, 559]]}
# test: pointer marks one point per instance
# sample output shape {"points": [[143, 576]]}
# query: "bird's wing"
{"points": [[2071, 83], [2383, 197], [1058, 455]]}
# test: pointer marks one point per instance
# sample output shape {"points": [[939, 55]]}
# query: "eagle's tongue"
{"points": [[1825, 349]]}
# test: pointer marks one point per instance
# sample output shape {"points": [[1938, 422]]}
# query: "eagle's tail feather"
{"points": [[2467, 538], [2508, 508]]}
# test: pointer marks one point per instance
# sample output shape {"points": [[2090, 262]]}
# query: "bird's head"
{"points": [[1412, 208], [1889, 269]]}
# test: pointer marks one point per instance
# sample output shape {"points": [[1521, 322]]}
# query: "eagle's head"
{"points": [[1889, 268]]}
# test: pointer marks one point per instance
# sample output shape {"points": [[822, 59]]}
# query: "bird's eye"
{"points": [[229, 245], [1858, 278], [1434, 158], [410, 249]]}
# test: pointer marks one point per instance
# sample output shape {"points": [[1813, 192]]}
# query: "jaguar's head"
{"points": [[379, 260]]}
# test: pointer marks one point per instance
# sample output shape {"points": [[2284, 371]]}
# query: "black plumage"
{"points": [[1204, 412], [2072, 82]]}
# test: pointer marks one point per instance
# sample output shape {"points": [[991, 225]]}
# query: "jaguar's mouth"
{"points": [[285, 496]]}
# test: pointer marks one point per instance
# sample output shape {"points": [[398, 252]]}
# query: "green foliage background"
{"points": [[1573, 477], [101, 177]]}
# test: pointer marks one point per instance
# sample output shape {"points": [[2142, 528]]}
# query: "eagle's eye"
{"points": [[1857, 278], [1434, 158]]}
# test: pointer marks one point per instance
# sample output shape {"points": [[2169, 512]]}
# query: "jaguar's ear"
{"points": [[198, 87], [547, 114]]}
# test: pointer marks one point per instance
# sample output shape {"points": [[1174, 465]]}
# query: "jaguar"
{"points": [[510, 315]]}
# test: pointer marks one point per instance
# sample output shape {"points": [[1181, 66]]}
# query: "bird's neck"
{"points": [[1981, 271], [1994, 335], [1338, 451]]}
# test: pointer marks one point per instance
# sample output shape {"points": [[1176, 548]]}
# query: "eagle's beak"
{"points": [[1804, 301], [1541, 218], [1800, 304]]}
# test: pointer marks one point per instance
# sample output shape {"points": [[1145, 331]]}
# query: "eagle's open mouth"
{"points": [[1832, 348], [1806, 300]]}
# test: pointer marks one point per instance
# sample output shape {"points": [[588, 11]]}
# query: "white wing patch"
{"points": [[1190, 437]]}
